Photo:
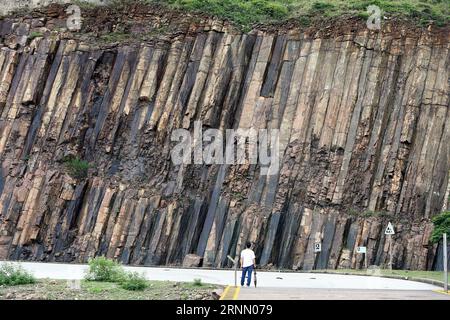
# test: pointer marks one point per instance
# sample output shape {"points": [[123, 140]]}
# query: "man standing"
{"points": [[247, 264]]}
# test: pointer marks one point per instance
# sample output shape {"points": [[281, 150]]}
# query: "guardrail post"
{"points": [[235, 275], [445, 263], [235, 263]]}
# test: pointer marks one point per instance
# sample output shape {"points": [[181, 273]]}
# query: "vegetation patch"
{"points": [[113, 37], [198, 283], [35, 34], [76, 167], [46, 289], [441, 225], [134, 281], [13, 275], [369, 213], [242, 13], [103, 269], [84, 5], [246, 13]]}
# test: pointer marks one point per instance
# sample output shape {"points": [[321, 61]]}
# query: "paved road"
{"points": [[336, 294], [271, 285]]}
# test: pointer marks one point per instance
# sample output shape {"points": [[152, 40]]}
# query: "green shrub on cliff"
{"points": [[248, 12], [35, 34], [13, 275], [112, 37], [441, 225], [76, 168], [243, 13]]}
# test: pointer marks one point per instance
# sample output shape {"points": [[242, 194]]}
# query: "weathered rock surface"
{"points": [[364, 121], [192, 260]]}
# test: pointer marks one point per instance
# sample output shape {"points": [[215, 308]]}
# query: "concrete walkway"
{"points": [[226, 277], [276, 285]]}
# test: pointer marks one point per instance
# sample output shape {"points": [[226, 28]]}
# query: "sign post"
{"points": [[363, 250], [317, 247], [317, 250], [445, 263], [235, 269], [389, 232]]}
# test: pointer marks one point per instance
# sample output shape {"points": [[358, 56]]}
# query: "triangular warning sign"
{"points": [[389, 229]]}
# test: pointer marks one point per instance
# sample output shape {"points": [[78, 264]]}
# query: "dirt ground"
{"points": [[89, 290]]}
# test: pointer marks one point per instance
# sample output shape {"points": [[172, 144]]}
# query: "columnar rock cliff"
{"points": [[364, 129]]}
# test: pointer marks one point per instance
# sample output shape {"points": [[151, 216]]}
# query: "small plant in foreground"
{"points": [[13, 275], [103, 269], [134, 281], [198, 282]]}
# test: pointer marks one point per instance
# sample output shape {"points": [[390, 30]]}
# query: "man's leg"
{"points": [[244, 271], [249, 276]]}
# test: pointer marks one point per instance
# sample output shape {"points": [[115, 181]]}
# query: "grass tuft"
{"points": [[197, 283], [134, 281]]}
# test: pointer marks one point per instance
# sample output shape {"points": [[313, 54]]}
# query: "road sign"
{"points": [[231, 259], [389, 232], [361, 249], [390, 229], [317, 247]]}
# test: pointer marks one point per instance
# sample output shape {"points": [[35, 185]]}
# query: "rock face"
{"points": [[192, 260], [7, 6], [364, 133]]}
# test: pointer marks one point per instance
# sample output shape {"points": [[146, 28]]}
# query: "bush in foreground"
{"points": [[106, 270], [134, 281], [103, 269], [13, 275]]}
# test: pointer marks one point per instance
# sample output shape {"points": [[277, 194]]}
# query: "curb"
{"points": [[224, 293], [442, 292], [230, 293], [423, 280]]}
